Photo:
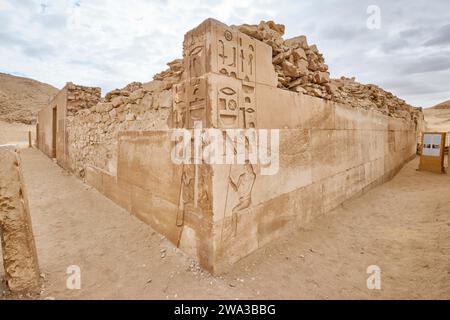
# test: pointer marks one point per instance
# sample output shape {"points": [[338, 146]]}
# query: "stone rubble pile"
{"points": [[301, 68]]}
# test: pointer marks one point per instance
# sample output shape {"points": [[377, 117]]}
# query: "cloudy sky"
{"points": [[110, 43]]}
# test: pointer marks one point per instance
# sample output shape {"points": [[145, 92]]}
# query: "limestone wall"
{"points": [[330, 151]]}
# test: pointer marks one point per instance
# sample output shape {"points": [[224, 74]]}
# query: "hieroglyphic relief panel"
{"points": [[233, 102], [235, 53], [189, 103], [248, 105]]}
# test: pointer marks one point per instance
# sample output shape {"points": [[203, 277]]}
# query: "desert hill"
{"points": [[21, 98], [438, 117]]}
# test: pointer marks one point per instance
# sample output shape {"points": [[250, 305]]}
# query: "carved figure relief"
{"points": [[235, 58], [243, 187]]}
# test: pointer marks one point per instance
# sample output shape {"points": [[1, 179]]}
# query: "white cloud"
{"points": [[111, 43]]}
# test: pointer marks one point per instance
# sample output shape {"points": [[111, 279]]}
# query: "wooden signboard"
{"points": [[433, 146]]}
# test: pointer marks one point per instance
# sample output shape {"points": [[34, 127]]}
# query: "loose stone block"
{"points": [[18, 247]]}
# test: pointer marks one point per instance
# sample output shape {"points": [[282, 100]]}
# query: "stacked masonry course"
{"points": [[333, 145], [16, 234]]}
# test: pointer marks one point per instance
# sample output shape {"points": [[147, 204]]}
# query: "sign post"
{"points": [[432, 157]]}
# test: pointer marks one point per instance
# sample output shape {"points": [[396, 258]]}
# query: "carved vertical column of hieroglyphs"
{"points": [[233, 56], [16, 232]]}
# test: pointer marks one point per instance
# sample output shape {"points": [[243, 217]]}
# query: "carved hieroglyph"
{"points": [[210, 50], [243, 187], [236, 58], [248, 105], [246, 59], [194, 52], [196, 99], [236, 54], [227, 60]]}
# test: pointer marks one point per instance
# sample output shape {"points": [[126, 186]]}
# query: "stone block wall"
{"points": [[329, 151]]}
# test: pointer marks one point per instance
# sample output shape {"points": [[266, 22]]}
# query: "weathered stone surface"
{"points": [[338, 138], [18, 247]]}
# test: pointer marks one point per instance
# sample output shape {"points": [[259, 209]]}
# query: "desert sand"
{"points": [[402, 226]]}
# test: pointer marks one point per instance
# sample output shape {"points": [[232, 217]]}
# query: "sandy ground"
{"points": [[402, 226], [16, 133]]}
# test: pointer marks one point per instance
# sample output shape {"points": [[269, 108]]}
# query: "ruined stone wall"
{"points": [[45, 120], [16, 232], [329, 152], [93, 132]]}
